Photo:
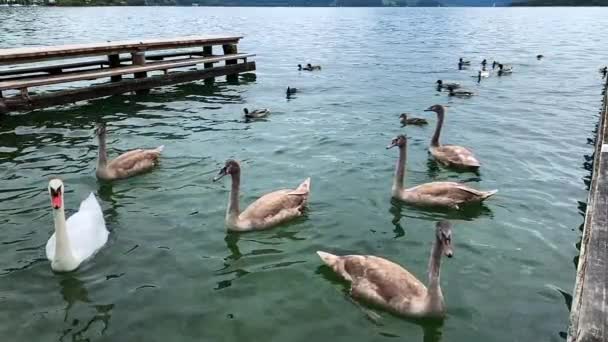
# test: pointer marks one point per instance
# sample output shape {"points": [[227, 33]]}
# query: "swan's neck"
{"points": [[64, 260], [400, 170], [435, 297], [233, 211], [435, 139], [102, 157]]}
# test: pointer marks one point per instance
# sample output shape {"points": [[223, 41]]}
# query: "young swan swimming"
{"points": [[127, 164], [450, 155], [267, 211], [440, 194], [386, 284]]}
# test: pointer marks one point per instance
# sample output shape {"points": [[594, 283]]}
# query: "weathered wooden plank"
{"points": [[31, 54], [107, 89], [95, 74], [589, 312], [43, 69]]}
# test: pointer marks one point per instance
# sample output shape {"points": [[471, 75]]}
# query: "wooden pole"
{"points": [[114, 61], [139, 58], [208, 52], [228, 50]]}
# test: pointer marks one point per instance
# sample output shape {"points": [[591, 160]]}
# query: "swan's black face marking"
{"points": [[100, 129], [444, 235], [231, 167], [56, 196], [399, 141]]}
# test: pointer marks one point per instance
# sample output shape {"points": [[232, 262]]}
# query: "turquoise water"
{"points": [[171, 272]]}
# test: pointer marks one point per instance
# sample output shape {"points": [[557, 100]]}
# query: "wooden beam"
{"points": [[114, 61], [589, 312], [32, 54], [69, 96], [96, 74]]}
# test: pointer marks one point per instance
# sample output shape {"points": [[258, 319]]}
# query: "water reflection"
{"points": [[73, 291]]}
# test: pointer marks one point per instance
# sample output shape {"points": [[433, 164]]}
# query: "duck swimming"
{"points": [[463, 62], [449, 155], [434, 194], [539, 57], [313, 67], [504, 69], [267, 211], [291, 91], [391, 287], [460, 92], [411, 121], [445, 85], [256, 114]]}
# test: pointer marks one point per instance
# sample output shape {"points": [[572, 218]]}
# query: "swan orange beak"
{"points": [[56, 202]]}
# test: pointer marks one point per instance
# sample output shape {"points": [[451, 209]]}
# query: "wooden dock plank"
{"points": [[589, 312], [101, 73], [131, 85], [31, 54]]}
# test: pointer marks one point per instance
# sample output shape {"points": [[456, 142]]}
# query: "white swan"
{"points": [[78, 238]]}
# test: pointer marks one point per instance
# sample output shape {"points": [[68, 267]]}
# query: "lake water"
{"points": [[170, 272]]}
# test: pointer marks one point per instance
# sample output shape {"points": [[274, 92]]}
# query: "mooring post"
{"points": [[114, 61], [139, 58], [230, 49]]}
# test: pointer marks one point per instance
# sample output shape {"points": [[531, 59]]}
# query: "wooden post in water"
{"points": [[114, 61], [208, 52], [139, 58], [228, 50]]}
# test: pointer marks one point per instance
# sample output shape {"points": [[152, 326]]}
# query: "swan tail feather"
{"points": [[302, 189], [488, 194], [329, 259]]}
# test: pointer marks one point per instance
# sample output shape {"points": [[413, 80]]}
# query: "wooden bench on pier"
{"points": [[114, 66]]}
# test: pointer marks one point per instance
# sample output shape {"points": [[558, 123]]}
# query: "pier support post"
{"points": [[114, 61], [230, 49], [208, 52], [139, 58]]}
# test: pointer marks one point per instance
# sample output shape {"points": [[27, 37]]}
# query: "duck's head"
{"points": [[500, 66], [300, 66], [439, 109], [399, 141], [460, 60], [56, 192], [309, 65], [231, 167], [100, 129], [439, 82], [403, 116], [443, 233], [245, 110]]}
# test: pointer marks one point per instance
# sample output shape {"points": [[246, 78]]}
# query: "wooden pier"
{"points": [[126, 66], [589, 312]]}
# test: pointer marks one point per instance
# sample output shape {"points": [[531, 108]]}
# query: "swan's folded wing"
{"points": [[87, 229], [457, 192], [272, 204], [135, 162], [382, 277], [127, 155], [457, 155]]}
